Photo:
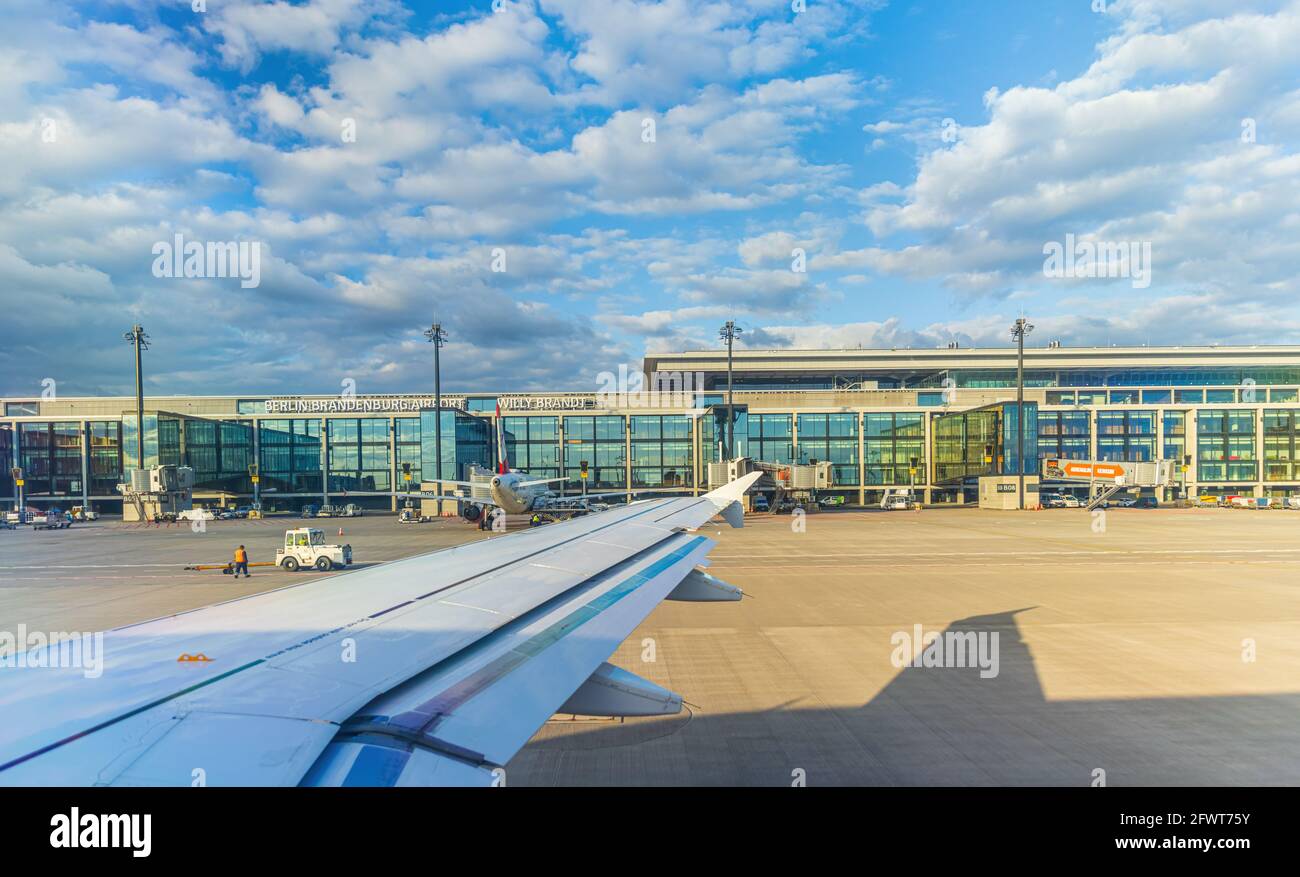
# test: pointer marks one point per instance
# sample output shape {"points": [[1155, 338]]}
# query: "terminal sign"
{"points": [[362, 404]]}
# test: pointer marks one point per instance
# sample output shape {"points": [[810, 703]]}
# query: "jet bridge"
{"points": [[798, 480], [1105, 478]]}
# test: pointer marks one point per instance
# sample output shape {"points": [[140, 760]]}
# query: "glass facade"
{"points": [[966, 445], [713, 433], [1225, 445], [889, 442], [770, 437], [7, 445], [602, 442], [1012, 446], [50, 457], [1281, 462], [291, 455], [406, 441], [220, 453], [466, 444], [1175, 436], [1126, 436], [834, 438], [1065, 435], [661, 450], [984, 441], [358, 454], [533, 445]]}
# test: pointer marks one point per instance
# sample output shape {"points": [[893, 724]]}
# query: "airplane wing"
{"points": [[473, 500], [432, 670], [540, 481]]}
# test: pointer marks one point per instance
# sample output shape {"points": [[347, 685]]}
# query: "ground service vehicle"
{"points": [[897, 500], [304, 547], [55, 520]]}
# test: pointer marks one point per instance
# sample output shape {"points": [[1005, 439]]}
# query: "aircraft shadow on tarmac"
{"points": [[943, 727]]}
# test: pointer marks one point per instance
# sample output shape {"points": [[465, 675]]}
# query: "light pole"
{"points": [[138, 337], [1021, 328], [436, 335], [729, 331]]}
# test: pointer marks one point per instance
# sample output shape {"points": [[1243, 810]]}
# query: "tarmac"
{"points": [[1140, 647]]}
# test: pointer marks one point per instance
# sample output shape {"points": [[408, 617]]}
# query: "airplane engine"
{"points": [[471, 512]]}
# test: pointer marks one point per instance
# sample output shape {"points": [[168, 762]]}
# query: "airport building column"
{"points": [[794, 438], [695, 454], [1191, 430], [394, 479], [1092, 434], [85, 456], [862, 458], [13, 464], [1163, 493], [927, 453], [1259, 450], [324, 462], [627, 456], [257, 460]]}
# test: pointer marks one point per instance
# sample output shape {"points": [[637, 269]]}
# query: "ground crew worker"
{"points": [[241, 561], [537, 519]]}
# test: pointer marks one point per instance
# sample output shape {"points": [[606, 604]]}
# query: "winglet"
{"points": [[727, 498]]}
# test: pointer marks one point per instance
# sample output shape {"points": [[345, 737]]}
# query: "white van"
{"points": [[196, 514]]}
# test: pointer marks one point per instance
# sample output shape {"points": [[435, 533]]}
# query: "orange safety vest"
{"points": [[241, 556]]}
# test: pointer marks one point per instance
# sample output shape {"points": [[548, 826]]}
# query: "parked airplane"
{"points": [[466, 652], [516, 492]]}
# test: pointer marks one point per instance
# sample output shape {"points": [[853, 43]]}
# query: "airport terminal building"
{"points": [[932, 419]]}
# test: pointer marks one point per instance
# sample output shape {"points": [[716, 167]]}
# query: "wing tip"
{"points": [[727, 498]]}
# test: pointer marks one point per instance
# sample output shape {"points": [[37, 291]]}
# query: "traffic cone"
{"points": [[340, 531]]}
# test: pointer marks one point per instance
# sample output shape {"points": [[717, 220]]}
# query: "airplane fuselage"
{"points": [[510, 496]]}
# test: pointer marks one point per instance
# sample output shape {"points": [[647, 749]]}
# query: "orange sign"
{"points": [[1082, 469], [188, 658]]}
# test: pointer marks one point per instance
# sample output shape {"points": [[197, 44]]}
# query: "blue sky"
{"points": [[920, 155]]}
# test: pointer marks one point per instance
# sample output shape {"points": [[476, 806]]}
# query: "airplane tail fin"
{"points": [[503, 463]]}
